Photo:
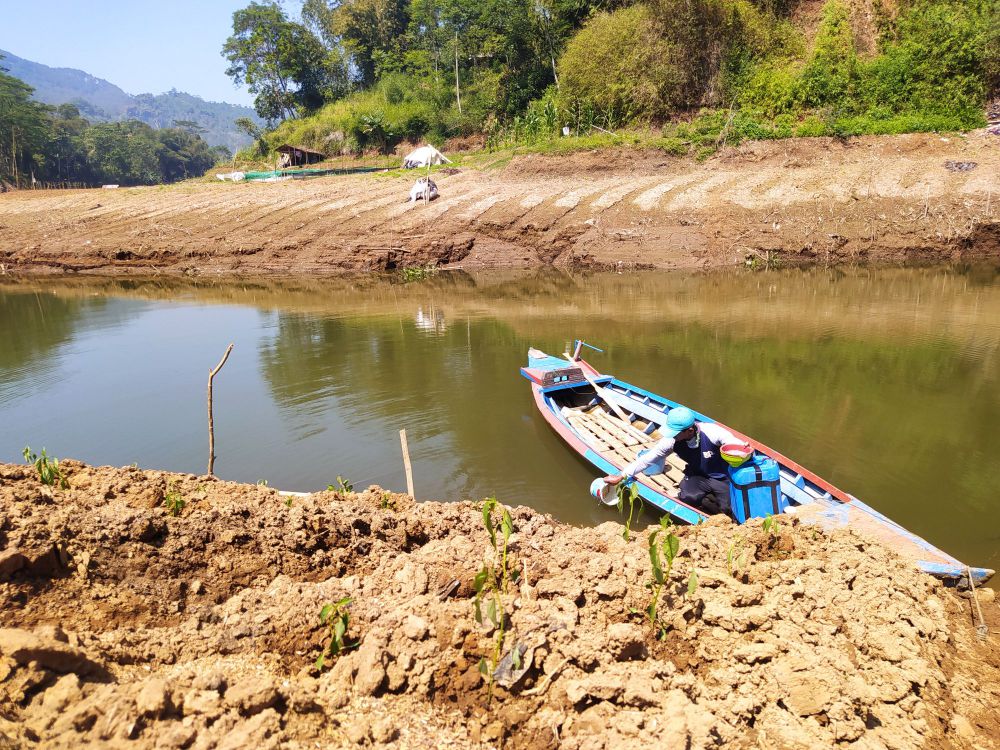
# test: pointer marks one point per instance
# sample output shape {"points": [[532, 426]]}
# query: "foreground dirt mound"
{"points": [[126, 625]]}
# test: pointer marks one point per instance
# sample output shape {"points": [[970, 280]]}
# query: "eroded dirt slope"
{"points": [[801, 201], [127, 626]]}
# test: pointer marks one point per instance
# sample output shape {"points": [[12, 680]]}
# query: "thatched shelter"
{"points": [[297, 156]]}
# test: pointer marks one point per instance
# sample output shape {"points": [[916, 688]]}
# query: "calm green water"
{"points": [[885, 382]]}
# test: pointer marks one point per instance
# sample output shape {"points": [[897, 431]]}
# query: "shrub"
{"points": [[831, 72], [400, 107], [619, 61], [939, 61]]}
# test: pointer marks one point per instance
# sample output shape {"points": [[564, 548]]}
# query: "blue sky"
{"points": [[139, 46]]}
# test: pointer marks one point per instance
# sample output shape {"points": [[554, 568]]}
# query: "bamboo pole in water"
{"points": [[406, 463], [211, 423]]}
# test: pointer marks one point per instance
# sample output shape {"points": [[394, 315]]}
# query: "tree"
{"points": [[182, 154], [283, 63], [65, 154], [23, 128], [124, 153], [372, 33]]}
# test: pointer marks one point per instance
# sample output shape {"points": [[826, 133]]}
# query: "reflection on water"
{"points": [[883, 381]]}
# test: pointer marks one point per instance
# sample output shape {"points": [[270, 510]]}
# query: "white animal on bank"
{"points": [[424, 156], [425, 189]]}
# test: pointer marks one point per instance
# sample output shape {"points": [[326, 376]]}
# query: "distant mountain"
{"points": [[100, 101]]}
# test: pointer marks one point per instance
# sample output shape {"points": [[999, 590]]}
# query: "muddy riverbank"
{"points": [[166, 610], [803, 201]]}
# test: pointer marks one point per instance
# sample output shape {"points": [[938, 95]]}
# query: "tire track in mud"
{"points": [[511, 210], [278, 214], [127, 216], [421, 218], [543, 216], [565, 219], [650, 198], [694, 194], [530, 224], [619, 192], [444, 188], [384, 198], [170, 205], [746, 195]]}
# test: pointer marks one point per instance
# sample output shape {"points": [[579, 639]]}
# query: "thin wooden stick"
{"points": [[211, 423], [981, 629], [406, 463]]}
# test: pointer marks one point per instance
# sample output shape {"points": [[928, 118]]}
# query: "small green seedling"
{"points": [[387, 502], [343, 486], [736, 556], [173, 501], [692, 582], [288, 502], [492, 584], [771, 526], [335, 619], [663, 548], [262, 483], [48, 469], [631, 495]]}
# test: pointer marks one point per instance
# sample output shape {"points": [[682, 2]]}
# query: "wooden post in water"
{"points": [[406, 463], [211, 423]]}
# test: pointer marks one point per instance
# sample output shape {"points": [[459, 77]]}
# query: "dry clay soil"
{"points": [[127, 626], [816, 200]]}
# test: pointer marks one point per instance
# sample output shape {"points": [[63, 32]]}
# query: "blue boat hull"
{"points": [[810, 497]]}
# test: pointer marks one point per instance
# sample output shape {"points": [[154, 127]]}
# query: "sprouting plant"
{"points": [[48, 468], [173, 500], [386, 502], [692, 582], [288, 502], [344, 486], [736, 555], [335, 619], [663, 547], [631, 494], [492, 584], [262, 483], [771, 526]]}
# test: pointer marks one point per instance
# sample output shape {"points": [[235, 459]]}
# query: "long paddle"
{"points": [[600, 391]]}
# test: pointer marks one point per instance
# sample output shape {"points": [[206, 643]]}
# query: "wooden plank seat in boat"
{"points": [[594, 439], [599, 430]]}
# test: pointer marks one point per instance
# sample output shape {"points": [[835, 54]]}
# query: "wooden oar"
{"points": [[600, 391]]}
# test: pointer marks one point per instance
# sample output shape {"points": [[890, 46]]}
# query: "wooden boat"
{"points": [[586, 408]]}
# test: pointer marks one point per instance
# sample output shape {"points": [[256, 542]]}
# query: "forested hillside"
{"points": [[357, 75], [101, 101], [43, 144]]}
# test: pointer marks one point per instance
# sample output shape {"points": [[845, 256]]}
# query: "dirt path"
{"points": [[125, 625], [882, 199]]}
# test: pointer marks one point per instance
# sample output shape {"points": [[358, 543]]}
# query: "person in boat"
{"points": [[706, 475]]}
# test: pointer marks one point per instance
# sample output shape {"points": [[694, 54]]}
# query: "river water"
{"points": [[884, 382]]}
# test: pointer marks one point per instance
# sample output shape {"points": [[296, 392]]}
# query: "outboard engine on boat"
{"points": [[754, 490]]}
